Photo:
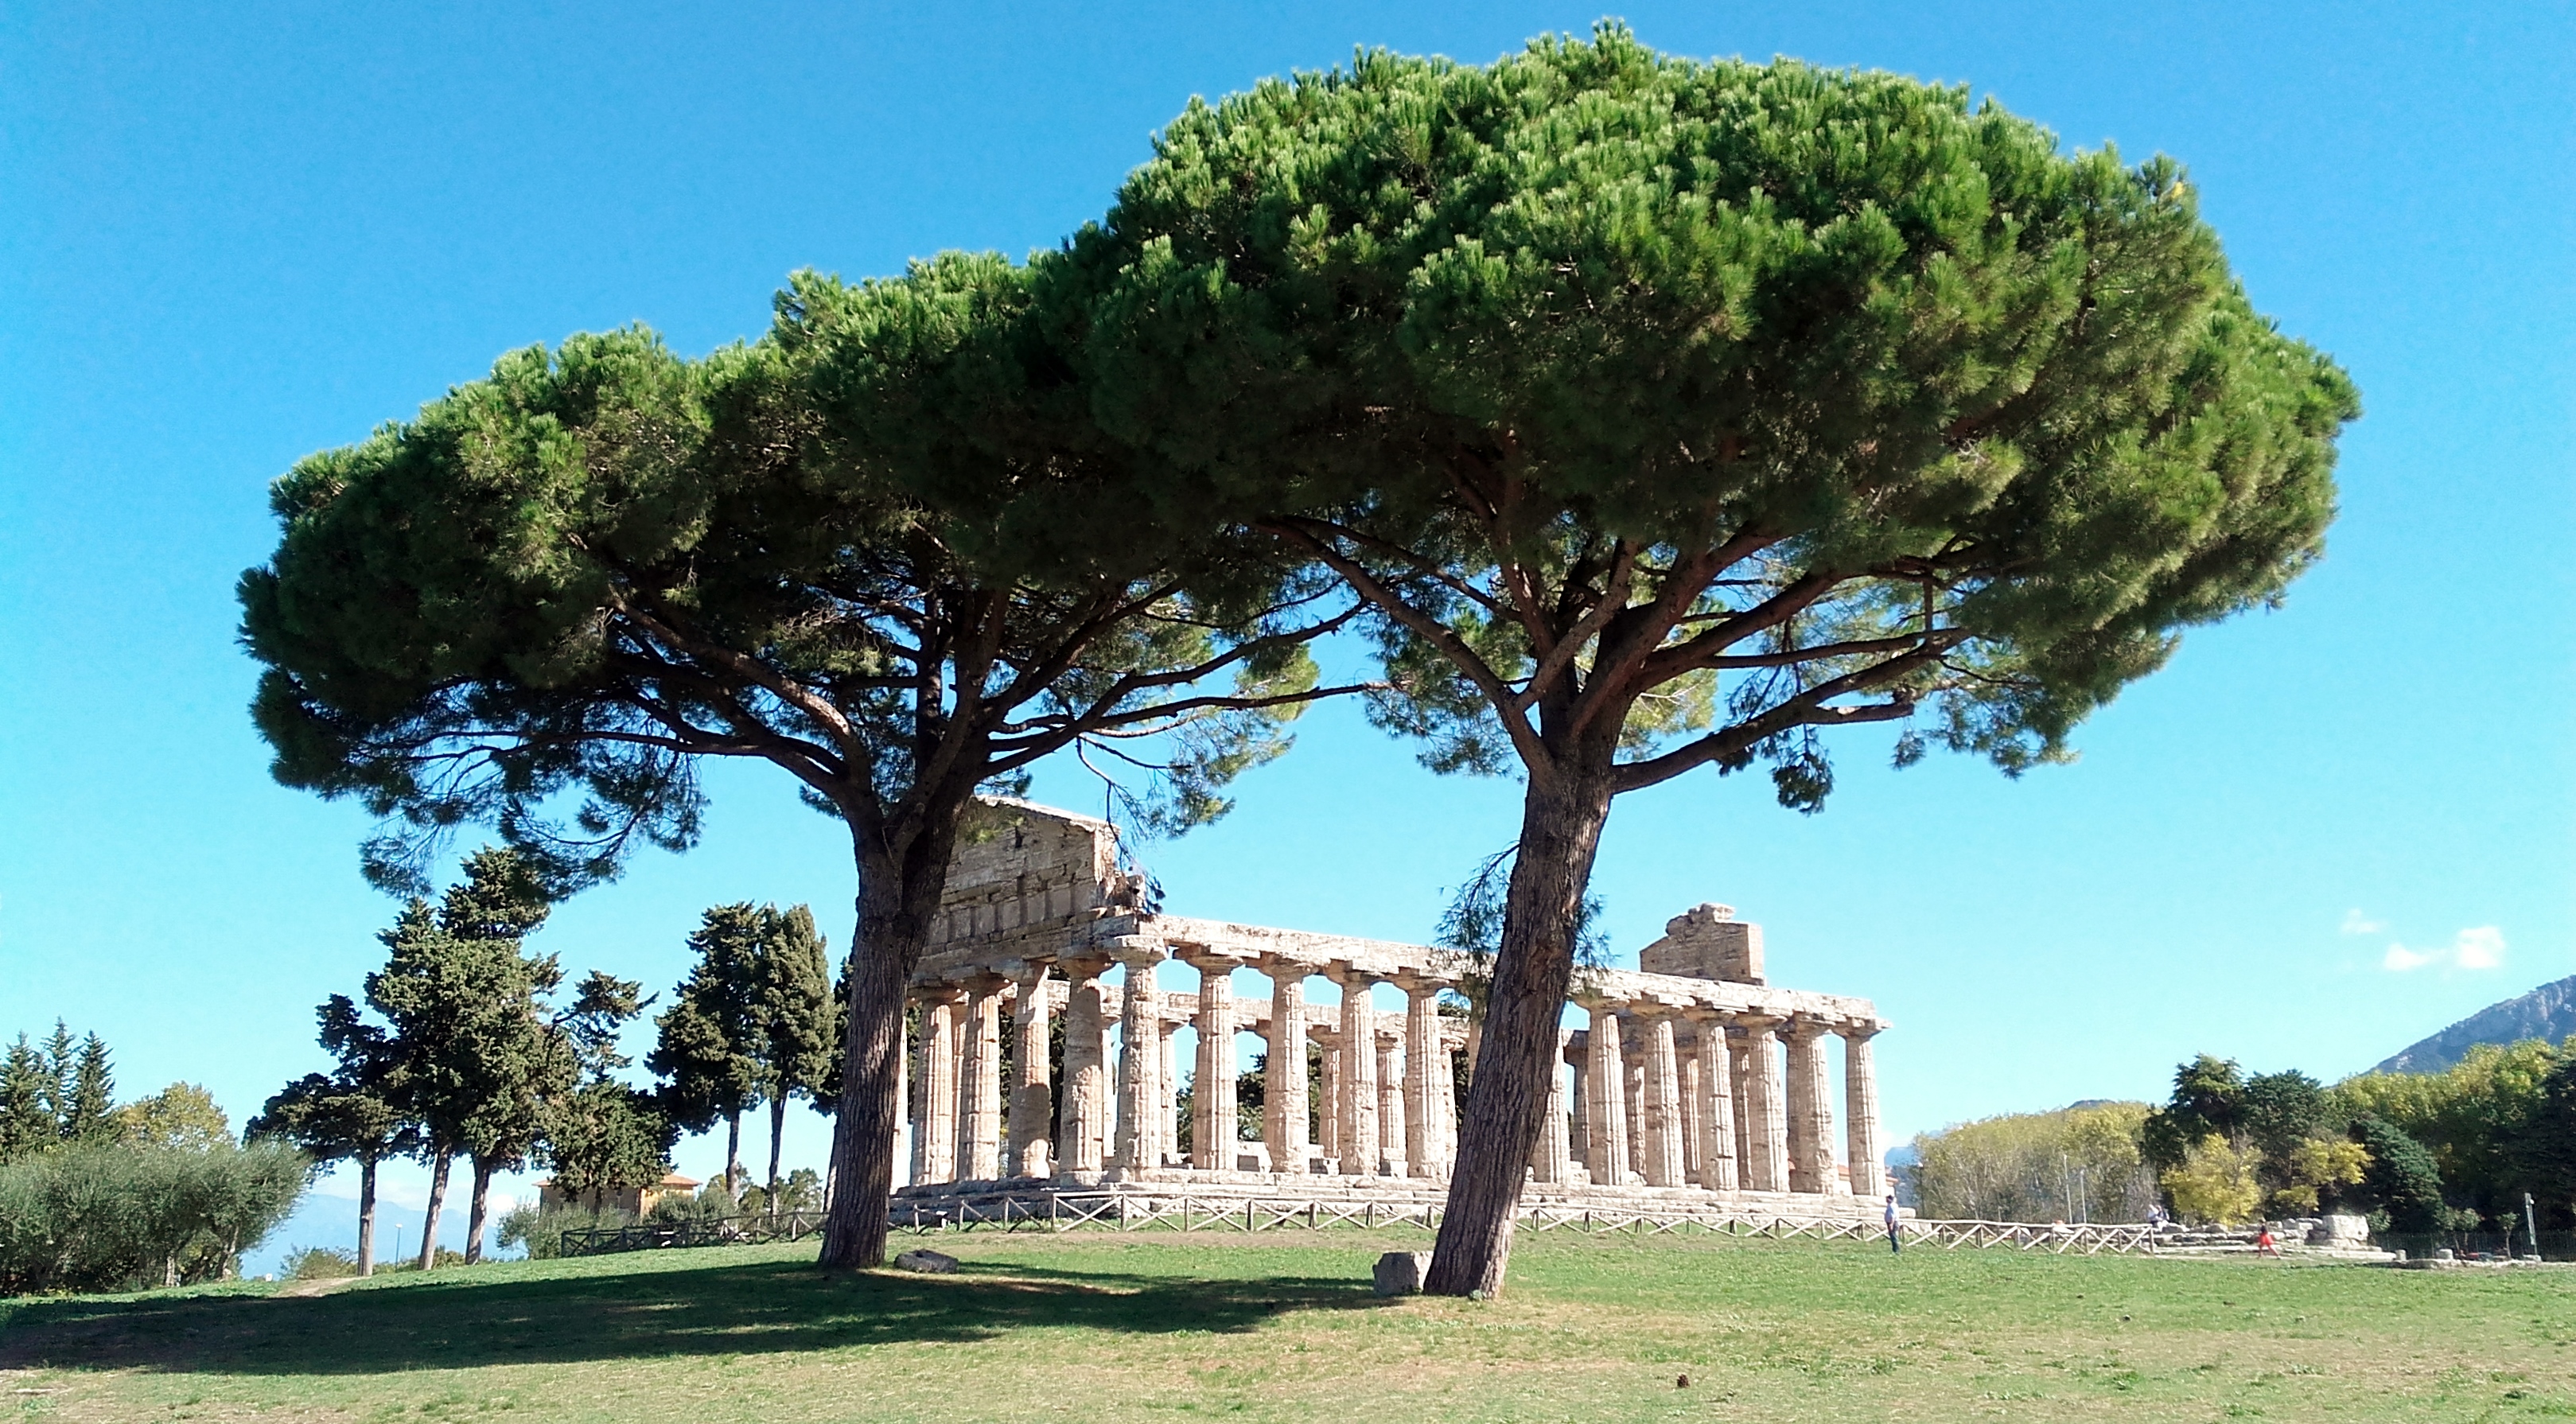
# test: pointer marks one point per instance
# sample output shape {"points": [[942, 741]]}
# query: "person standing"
{"points": [[1895, 1242]]}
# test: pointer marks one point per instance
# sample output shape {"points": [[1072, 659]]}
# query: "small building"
{"points": [[635, 1201]]}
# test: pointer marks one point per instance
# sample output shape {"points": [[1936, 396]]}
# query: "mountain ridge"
{"points": [[2546, 1012]]}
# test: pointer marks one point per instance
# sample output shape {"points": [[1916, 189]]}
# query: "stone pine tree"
{"points": [[461, 999], [706, 1051], [1709, 407], [348, 1114], [799, 1019], [883, 549]]}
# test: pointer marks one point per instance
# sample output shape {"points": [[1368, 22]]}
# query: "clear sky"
{"points": [[232, 235]]}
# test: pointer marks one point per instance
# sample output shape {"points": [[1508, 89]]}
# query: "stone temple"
{"points": [[1696, 1080]]}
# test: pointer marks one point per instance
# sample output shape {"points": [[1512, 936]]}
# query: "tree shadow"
{"points": [[756, 1308]]}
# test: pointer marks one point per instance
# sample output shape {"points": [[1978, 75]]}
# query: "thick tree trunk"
{"points": [[733, 1157], [897, 898], [474, 1214], [1561, 820], [777, 1126], [429, 1223], [366, 1216]]}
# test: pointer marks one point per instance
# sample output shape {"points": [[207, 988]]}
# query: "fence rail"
{"points": [[1182, 1212], [704, 1231]]}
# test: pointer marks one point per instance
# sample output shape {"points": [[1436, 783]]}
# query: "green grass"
{"points": [[1094, 1326]]}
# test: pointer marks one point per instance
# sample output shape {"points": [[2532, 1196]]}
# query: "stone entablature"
{"points": [[1714, 1081]]}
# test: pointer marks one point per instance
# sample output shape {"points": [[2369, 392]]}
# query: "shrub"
{"points": [[541, 1231], [94, 1217], [320, 1263], [2215, 1182]]}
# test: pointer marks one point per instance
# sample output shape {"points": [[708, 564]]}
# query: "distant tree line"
{"points": [[2418, 1153], [466, 1048], [97, 1196]]}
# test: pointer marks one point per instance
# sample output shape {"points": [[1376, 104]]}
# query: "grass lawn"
{"points": [[1283, 1326]]}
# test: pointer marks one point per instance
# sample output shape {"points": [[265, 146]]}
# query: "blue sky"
{"points": [[234, 235]]}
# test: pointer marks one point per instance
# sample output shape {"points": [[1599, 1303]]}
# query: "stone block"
{"points": [[1707, 942], [1403, 1272], [935, 1263], [2342, 1231]]}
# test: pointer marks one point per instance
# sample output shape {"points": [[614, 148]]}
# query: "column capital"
{"points": [[1205, 960], [1346, 974], [1133, 950], [1806, 1028], [1276, 965], [1859, 1030]]}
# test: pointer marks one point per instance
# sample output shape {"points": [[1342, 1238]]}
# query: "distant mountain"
{"points": [[2546, 1012]]}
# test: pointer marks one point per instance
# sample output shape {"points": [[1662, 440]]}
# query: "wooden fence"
{"points": [[1052, 1211]]}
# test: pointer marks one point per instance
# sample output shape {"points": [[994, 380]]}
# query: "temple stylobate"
{"points": [[1693, 1075]]}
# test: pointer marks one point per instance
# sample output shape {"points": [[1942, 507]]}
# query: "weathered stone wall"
{"points": [[1020, 867], [1706, 942]]}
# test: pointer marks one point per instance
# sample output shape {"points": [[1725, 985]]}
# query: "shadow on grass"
{"points": [[748, 1309]]}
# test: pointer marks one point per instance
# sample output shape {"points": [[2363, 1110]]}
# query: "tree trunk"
{"points": [[366, 1216], [733, 1158], [474, 1215], [1561, 822], [898, 895], [777, 1126], [429, 1223]]}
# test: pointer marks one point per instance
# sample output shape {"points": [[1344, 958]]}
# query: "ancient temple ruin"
{"points": [[1695, 1078]]}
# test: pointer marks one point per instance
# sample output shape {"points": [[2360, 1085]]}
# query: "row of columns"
{"points": [[1724, 1114], [1728, 1115], [1387, 1100]]}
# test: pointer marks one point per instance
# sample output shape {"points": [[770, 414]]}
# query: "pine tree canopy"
{"points": [[1715, 403]]}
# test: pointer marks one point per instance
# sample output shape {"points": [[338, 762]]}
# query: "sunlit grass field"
{"points": [[1098, 1326]]}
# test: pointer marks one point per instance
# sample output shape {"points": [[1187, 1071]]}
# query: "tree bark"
{"points": [[777, 1126], [1561, 820], [429, 1223], [898, 896], [474, 1213], [366, 1216], [733, 1158]]}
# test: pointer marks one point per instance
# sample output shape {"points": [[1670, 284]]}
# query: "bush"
{"points": [[320, 1263], [2216, 1182], [541, 1231], [98, 1217]]}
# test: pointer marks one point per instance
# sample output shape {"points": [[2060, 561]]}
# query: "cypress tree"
{"points": [[92, 1115]]}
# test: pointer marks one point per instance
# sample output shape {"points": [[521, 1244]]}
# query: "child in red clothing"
{"points": [[2264, 1245]]}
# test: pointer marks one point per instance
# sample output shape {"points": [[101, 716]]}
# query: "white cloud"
{"points": [[2401, 959], [2477, 947], [2355, 922]]}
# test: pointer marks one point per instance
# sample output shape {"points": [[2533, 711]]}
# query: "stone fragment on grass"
{"points": [[937, 1263], [1403, 1272]]}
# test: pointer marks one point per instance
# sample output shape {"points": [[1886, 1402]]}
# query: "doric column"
{"points": [[1283, 1086], [1426, 1080], [1578, 1104], [1212, 1128], [1605, 1150], [935, 1138], [1739, 1055], [1140, 1062], [1766, 1114], [1392, 1120], [1860, 1109], [1694, 1131], [1328, 1093], [979, 1129], [1811, 1109], [1032, 1092], [1548, 1162], [1359, 1076], [1635, 1064], [1167, 1113], [1083, 1124], [1717, 1159], [1662, 1096]]}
